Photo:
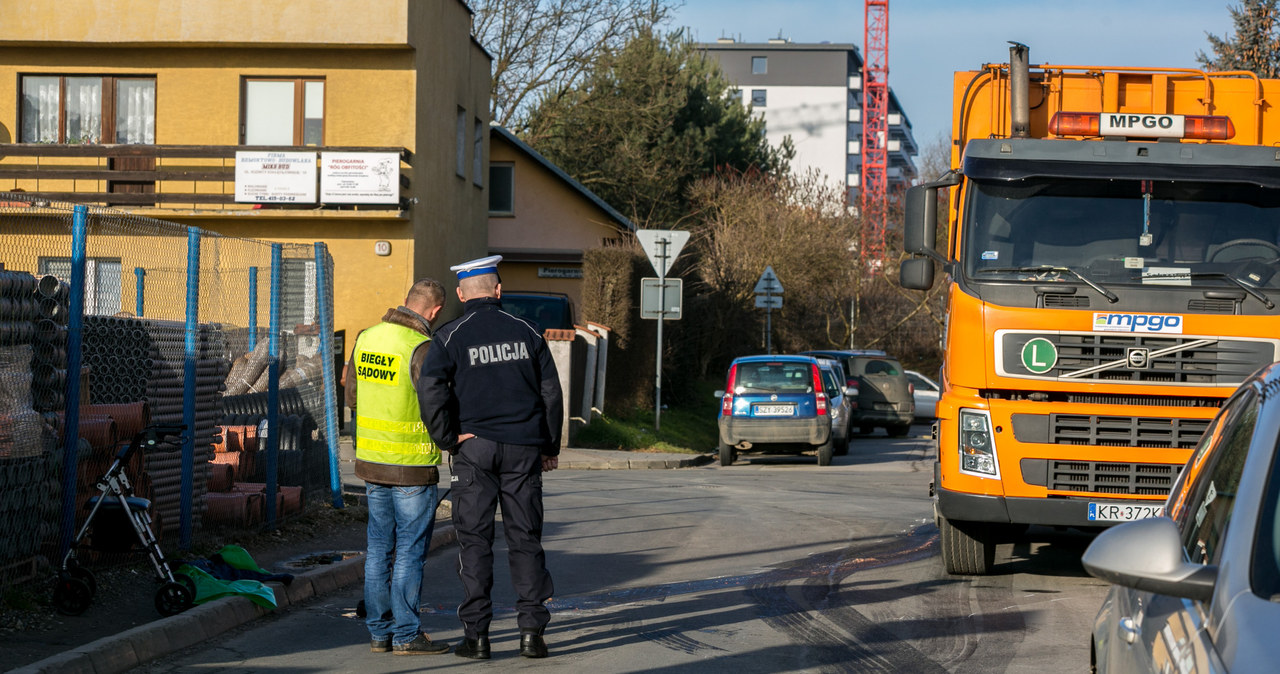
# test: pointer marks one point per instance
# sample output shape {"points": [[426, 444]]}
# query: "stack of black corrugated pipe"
{"points": [[49, 365], [151, 355], [29, 477], [300, 462], [118, 353]]}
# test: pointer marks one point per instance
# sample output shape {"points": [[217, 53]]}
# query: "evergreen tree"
{"points": [[1255, 46], [647, 121]]}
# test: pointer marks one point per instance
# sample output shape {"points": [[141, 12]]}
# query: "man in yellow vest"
{"points": [[399, 464]]}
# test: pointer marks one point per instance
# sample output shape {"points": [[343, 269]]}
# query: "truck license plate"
{"points": [[1117, 512], [774, 410]]}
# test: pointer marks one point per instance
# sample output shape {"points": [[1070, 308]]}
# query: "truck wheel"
{"points": [[967, 547], [825, 450], [726, 454], [898, 430]]}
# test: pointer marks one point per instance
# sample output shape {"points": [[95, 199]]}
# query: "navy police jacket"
{"points": [[491, 374]]}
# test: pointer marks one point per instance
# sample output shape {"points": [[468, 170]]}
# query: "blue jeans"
{"points": [[401, 520]]}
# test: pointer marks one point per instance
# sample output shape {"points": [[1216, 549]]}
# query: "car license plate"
{"points": [[1118, 512], [774, 410]]}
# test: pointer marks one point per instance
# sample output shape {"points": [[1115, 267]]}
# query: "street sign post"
{"points": [[768, 297], [662, 246], [670, 291]]}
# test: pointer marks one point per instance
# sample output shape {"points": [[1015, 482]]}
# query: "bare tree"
{"points": [[935, 158], [542, 48]]}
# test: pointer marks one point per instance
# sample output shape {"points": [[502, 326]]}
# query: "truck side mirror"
{"points": [[916, 273], [920, 233], [920, 220]]}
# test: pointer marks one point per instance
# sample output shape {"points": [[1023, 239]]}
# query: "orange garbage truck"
{"points": [[1110, 240]]}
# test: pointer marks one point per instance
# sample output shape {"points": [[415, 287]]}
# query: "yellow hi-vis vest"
{"points": [[389, 426]]}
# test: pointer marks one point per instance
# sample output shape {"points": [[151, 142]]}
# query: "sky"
{"points": [[930, 39]]}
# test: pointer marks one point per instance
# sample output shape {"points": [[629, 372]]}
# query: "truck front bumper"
{"points": [[1057, 511]]}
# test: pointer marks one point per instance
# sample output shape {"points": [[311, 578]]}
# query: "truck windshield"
{"points": [[1123, 232]]}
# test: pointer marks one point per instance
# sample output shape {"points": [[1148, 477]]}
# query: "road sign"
{"points": [[768, 301], [672, 296], [768, 283], [662, 246]]}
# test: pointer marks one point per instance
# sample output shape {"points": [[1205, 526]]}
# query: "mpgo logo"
{"points": [[1137, 323]]}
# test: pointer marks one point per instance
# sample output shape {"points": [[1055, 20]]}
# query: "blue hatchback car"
{"points": [[777, 404]]}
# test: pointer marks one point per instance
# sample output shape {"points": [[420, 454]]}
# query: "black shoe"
{"points": [[532, 645], [380, 644], [476, 649], [421, 646]]}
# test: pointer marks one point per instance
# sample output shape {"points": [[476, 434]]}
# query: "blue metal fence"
{"points": [[80, 375]]}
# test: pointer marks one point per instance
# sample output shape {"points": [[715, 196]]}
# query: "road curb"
{"points": [[158, 638], [636, 464]]}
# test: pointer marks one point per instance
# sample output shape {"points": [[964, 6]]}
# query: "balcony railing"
{"points": [[165, 176]]}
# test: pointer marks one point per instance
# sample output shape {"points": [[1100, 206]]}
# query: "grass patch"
{"points": [[685, 430]]}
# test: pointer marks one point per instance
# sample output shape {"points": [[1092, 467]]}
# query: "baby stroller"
{"points": [[76, 586]]}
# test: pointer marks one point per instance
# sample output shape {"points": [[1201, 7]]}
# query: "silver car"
{"points": [[1198, 589], [926, 392]]}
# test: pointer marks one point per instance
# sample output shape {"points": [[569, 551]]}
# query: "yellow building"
{"points": [[144, 104], [540, 220]]}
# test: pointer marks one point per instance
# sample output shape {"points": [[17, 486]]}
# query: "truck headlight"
{"points": [[977, 446]]}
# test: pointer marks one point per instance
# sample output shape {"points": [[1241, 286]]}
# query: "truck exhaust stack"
{"points": [[1019, 91]]}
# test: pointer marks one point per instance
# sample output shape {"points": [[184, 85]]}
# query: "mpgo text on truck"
{"points": [[1112, 254]]}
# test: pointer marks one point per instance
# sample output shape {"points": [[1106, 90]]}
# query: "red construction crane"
{"points": [[874, 181]]}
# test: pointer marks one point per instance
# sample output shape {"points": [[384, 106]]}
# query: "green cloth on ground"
{"points": [[239, 558], [209, 587]]}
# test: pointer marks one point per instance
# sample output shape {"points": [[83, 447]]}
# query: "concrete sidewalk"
{"points": [[137, 646]]}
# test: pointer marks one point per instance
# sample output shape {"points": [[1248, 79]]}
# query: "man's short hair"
{"points": [[484, 285], [428, 291]]}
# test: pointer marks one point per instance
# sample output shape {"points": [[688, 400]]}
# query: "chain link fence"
{"points": [[110, 322]]}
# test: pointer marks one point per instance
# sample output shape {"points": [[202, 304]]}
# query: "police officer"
{"points": [[490, 393], [398, 462]]}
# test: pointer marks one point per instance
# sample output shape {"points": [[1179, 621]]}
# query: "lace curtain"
{"points": [[135, 120], [84, 110], [40, 109], [136, 111]]}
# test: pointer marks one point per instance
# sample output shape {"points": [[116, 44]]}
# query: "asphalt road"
{"points": [[770, 565]]}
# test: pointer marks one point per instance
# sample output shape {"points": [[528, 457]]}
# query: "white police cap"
{"points": [[484, 265]]}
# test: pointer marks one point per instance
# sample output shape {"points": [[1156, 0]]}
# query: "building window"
{"points": [[461, 167], [759, 65], [283, 111], [80, 110], [758, 98], [502, 189], [477, 154], [101, 280]]}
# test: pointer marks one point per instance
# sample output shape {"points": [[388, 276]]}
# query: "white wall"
{"points": [[816, 118]]}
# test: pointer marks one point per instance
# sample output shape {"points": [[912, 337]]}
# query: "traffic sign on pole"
{"points": [[768, 283], [662, 246], [768, 301], [672, 296]]}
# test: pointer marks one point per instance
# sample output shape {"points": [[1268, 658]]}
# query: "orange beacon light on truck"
{"points": [[1195, 127]]}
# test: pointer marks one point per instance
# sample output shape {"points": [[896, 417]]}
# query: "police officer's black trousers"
{"points": [[484, 473]]}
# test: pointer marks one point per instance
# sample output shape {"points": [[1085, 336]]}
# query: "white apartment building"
{"points": [[813, 93]]}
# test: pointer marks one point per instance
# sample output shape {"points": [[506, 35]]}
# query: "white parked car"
{"points": [[926, 392]]}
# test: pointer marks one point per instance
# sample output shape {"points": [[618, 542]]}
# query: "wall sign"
{"points": [[276, 177], [559, 272], [359, 177]]}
